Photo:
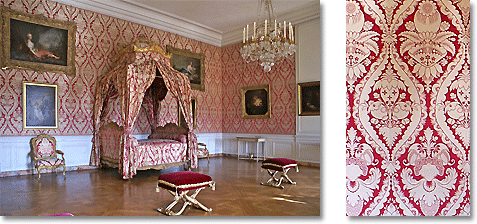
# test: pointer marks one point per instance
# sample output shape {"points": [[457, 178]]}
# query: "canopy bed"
{"points": [[141, 77]]}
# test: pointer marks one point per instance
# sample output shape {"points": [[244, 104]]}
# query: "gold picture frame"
{"points": [[40, 105], [189, 63], [256, 101], [34, 42], [194, 114], [309, 99]]}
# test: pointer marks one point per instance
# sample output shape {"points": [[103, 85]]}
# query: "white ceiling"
{"points": [[217, 22], [221, 15]]}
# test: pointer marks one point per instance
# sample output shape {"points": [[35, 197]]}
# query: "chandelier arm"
{"points": [[265, 48]]}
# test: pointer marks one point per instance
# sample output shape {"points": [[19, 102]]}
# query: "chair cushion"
{"points": [[278, 163], [183, 181], [50, 162], [45, 147]]}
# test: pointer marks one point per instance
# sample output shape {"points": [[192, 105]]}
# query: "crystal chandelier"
{"points": [[270, 41]]}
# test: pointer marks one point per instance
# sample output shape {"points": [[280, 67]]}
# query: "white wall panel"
{"points": [[308, 69], [15, 151], [212, 140]]}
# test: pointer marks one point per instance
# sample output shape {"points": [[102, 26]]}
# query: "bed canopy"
{"points": [[141, 77]]}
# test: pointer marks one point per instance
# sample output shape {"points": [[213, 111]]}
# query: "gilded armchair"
{"points": [[45, 153]]}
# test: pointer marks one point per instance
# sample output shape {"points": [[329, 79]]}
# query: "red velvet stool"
{"points": [[178, 184], [278, 165]]}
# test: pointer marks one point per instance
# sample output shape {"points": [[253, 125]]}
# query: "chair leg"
{"points": [[38, 170], [188, 200]]}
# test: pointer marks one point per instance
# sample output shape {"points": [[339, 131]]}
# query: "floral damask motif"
{"points": [[427, 42], [458, 108], [359, 42], [408, 118], [45, 148], [359, 157], [390, 111], [429, 160]]}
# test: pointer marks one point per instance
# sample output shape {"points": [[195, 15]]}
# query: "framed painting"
{"points": [[194, 114], [37, 43], [189, 63], [40, 106], [309, 98], [256, 101]]}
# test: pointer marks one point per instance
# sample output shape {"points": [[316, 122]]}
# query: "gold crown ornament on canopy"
{"points": [[271, 41]]}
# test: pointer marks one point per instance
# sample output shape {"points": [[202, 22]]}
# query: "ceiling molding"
{"points": [[297, 16], [137, 13]]}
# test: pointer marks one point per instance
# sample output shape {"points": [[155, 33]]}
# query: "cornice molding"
{"points": [[153, 18], [161, 20]]}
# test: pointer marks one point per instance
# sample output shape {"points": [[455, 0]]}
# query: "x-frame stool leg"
{"points": [[188, 200], [274, 182]]}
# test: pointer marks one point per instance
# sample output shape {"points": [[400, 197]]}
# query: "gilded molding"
{"points": [[141, 45]]}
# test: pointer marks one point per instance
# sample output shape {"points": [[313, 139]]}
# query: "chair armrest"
{"points": [[61, 153], [201, 144]]}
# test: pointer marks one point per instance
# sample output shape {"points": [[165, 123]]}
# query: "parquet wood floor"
{"points": [[102, 192]]}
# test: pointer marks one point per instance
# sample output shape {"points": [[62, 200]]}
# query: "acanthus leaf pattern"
{"points": [[408, 118]]}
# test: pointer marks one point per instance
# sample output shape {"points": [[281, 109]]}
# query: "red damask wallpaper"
{"points": [[408, 114], [237, 74], [98, 38]]}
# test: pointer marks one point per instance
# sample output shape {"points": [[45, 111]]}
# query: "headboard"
{"points": [[170, 131]]}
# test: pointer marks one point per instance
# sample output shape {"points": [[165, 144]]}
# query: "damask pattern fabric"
{"points": [[98, 38], [133, 74], [110, 142], [282, 79], [50, 162], [408, 108], [149, 153], [44, 147]]}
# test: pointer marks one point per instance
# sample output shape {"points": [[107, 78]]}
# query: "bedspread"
{"points": [[153, 152]]}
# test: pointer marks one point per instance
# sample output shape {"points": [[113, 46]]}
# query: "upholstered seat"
{"points": [[278, 165], [45, 153], [179, 184]]}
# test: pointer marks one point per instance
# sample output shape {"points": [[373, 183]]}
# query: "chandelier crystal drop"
{"points": [[270, 42]]}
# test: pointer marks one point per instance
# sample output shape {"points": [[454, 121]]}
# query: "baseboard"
{"points": [[33, 171]]}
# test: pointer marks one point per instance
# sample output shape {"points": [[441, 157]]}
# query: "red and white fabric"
{"points": [[111, 142], [153, 152], [178, 137], [408, 108], [133, 74], [44, 148], [45, 162]]}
